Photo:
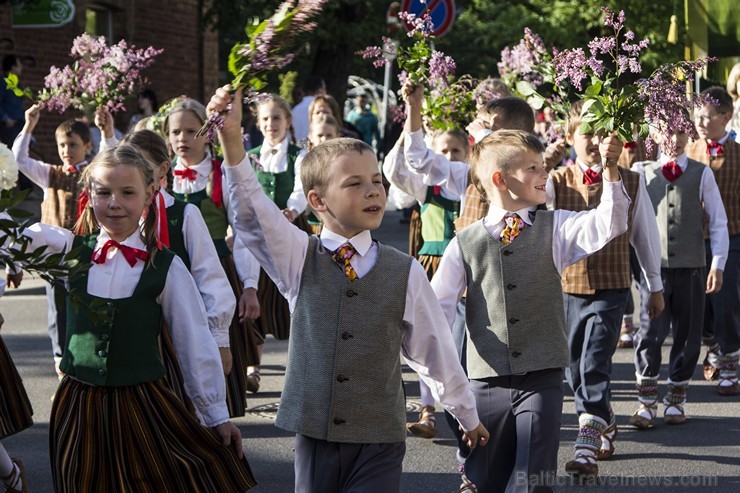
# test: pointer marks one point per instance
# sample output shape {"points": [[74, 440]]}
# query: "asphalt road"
{"points": [[702, 455]]}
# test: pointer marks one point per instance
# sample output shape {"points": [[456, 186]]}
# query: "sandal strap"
{"points": [[12, 479]]}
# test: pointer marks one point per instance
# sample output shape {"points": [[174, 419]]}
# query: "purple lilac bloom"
{"points": [[570, 65], [441, 68]]}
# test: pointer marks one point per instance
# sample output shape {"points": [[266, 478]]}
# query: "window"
{"points": [[99, 22]]}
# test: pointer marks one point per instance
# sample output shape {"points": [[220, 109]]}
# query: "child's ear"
{"points": [[499, 181], [569, 139], [88, 148], [316, 201]]}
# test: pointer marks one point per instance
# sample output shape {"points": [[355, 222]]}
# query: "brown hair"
{"points": [[336, 111], [499, 151], [120, 155], [153, 147], [191, 105], [461, 135], [315, 166], [515, 113], [574, 117], [322, 119], [283, 105], [724, 101], [75, 127]]}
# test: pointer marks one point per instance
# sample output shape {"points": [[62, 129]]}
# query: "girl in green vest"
{"points": [[198, 180], [115, 425], [277, 163], [15, 416]]}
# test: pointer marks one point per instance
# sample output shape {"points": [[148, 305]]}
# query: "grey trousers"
{"points": [[330, 467], [522, 413], [683, 316]]}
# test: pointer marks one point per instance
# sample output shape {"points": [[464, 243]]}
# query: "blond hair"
{"points": [[499, 151], [316, 165], [281, 103], [194, 107], [460, 135], [322, 119], [120, 155]]}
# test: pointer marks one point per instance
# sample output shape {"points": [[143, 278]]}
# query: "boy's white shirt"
{"points": [[709, 195], [575, 236], [182, 308], [282, 248], [277, 162], [36, 171], [435, 169], [644, 237]]}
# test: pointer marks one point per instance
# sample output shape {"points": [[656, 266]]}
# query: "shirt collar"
{"points": [[134, 240], [203, 168], [281, 147], [723, 139], [681, 160], [583, 166], [361, 242], [497, 214]]}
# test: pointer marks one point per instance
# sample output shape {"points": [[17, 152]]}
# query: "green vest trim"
{"points": [[215, 218], [175, 222], [115, 343], [277, 186], [438, 216]]}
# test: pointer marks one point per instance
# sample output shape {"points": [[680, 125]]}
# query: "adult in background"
{"points": [[365, 120], [313, 86], [148, 106]]}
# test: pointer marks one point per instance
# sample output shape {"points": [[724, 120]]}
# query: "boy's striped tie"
{"points": [[342, 256]]}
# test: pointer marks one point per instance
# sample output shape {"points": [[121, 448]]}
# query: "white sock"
{"points": [[427, 399], [6, 465]]}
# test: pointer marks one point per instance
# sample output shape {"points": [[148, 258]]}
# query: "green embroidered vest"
{"points": [[119, 346], [277, 186], [438, 216]]}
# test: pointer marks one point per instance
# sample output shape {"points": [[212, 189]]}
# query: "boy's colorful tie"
{"points": [[591, 177], [514, 226], [342, 256], [672, 171]]}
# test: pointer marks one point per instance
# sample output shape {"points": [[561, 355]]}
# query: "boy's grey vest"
{"points": [[343, 380], [515, 314], [680, 215]]}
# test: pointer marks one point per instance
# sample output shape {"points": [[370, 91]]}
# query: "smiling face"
{"points": [[183, 127], [71, 148], [119, 196], [273, 122], [586, 147], [353, 199], [524, 185]]}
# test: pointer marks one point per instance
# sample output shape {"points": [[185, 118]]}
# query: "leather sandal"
{"points": [[674, 419], [727, 390], [17, 474], [577, 467], [426, 426], [253, 382], [641, 422], [610, 435]]}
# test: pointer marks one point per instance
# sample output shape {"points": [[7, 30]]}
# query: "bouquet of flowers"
{"points": [[420, 63], [101, 75], [270, 46]]}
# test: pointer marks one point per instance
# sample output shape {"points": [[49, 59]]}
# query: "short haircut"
{"points": [[313, 84], [460, 135], [9, 61], [574, 117], [499, 151], [724, 101], [74, 127], [732, 81], [515, 113], [315, 166]]}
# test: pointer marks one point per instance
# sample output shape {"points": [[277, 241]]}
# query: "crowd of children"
{"points": [[215, 255]]}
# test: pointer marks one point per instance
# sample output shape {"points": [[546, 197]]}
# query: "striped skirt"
{"points": [[173, 378], [274, 311], [15, 408], [415, 239], [430, 264], [138, 438]]}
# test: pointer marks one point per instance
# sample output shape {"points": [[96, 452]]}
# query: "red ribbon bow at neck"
{"points": [[186, 174], [129, 253], [591, 177], [715, 145], [672, 171]]}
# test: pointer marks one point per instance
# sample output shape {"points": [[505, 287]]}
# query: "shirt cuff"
{"points": [[469, 421], [250, 283], [481, 134], [654, 283], [718, 263], [220, 335], [214, 414]]}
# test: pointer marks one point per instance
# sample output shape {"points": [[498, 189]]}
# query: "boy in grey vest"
{"points": [[356, 305], [681, 190], [510, 263]]}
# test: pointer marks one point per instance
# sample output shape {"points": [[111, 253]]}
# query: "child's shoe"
{"points": [[588, 443], [626, 335], [728, 383], [17, 481], [647, 395], [253, 379], [607, 441], [674, 402], [426, 426], [467, 485]]}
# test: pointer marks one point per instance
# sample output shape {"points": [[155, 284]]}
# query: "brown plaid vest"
{"points": [[637, 154], [59, 207], [475, 206], [727, 173], [609, 268]]}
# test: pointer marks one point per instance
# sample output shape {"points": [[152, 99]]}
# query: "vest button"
{"points": [[339, 421], [671, 205], [671, 221], [351, 293], [346, 335], [110, 303], [342, 378], [513, 320], [516, 354], [670, 187], [102, 373], [671, 254], [102, 353], [671, 238], [508, 252], [510, 286]]}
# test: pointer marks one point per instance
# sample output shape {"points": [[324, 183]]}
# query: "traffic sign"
{"points": [[442, 13]]}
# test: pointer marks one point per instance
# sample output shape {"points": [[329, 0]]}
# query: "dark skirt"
{"points": [[274, 310], [15, 408], [415, 239], [430, 264], [138, 438], [173, 378]]}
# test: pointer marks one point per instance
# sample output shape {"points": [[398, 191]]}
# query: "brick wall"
{"points": [[189, 64]]}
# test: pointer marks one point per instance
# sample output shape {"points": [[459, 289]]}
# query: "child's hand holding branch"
{"points": [[104, 121], [610, 149], [230, 109]]}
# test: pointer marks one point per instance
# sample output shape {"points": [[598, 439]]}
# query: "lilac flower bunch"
{"points": [[271, 45], [101, 75], [451, 106], [522, 61]]}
